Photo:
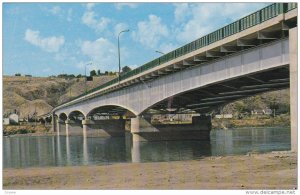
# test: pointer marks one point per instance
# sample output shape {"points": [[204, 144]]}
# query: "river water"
{"points": [[31, 151]]}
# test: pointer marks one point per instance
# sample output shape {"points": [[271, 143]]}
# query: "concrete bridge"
{"points": [[255, 54]]}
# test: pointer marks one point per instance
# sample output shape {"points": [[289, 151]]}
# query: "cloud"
{"points": [[203, 18], [56, 10], [49, 44], [61, 13], [181, 11], [119, 27], [120, 6], [102, 52], [89, 19], [89, 6], [150, 32], [167, 47]]}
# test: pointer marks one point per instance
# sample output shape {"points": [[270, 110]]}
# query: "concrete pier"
{"points": [[61, 126], [110, 127], [143, 130], [73, 127], [53, 123]]}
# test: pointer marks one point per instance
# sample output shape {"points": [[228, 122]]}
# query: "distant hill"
{"points": [[28, 95], [278, 100]]}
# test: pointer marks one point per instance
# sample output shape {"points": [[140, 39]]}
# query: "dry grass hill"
{"points": [[38, 94]]}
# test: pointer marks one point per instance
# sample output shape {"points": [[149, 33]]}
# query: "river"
{"points": [[42, 151]]}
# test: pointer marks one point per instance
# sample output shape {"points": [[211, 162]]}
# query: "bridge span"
{"points": [[255, 54]]}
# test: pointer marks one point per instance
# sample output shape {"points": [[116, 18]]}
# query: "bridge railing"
{"points": [[244, 23]]}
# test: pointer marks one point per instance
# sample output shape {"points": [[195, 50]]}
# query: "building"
{"points": [[5, 121], [13, 119], [219, 116]]}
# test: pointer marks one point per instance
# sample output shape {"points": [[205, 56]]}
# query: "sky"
{"points": [[44, 39]]}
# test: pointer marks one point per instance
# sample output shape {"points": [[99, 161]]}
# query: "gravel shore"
{"points": [[275, 170]]}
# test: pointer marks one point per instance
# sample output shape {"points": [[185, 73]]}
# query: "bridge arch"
{"points": [[110, 110], [76, 115], [63, 116]]}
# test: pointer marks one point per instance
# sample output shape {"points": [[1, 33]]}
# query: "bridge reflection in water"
{"points": [[78, 150]]}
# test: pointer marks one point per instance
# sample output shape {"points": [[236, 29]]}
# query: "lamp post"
{"points": [[160, 52], [119, 51], [90, 63]]}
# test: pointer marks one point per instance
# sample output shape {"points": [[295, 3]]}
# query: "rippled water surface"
{"points": [[30, 151]]}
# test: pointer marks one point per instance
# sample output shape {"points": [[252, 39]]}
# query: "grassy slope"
{"points": [[28, 95]]}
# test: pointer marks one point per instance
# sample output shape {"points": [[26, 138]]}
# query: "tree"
{"points": [[98, 72], [79, 76], [126, 69], [93, 73], [17, 74], [106, 73]]}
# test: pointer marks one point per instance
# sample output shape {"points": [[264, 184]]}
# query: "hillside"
{"points": [[27, 95], [278, 100]]}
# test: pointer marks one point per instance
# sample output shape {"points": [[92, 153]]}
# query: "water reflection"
{"points": [[68, 150], [58, 151], [82, 150], [85, 151], [169, 150], [241, 141]]}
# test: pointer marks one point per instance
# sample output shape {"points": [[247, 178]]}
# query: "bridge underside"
{"points": [[110, 110], [210, 97]]}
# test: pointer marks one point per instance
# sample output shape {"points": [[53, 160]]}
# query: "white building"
{"points": [[13, 119], [5, 121]]}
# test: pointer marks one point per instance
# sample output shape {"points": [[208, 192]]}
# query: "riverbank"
{"points": [[278, 121], [26, 129], [276, 170], [41, 129]]}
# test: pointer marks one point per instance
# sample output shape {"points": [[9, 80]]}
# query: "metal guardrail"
{"points": [[244, 23]]}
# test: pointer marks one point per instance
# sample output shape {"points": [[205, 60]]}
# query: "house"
{"points": [[219, 116], [5, 121], [267, 111], [13, 119]]}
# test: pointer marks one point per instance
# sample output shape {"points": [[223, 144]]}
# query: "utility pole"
{"points": [[35, 115], [90, 63], [119, 51]]}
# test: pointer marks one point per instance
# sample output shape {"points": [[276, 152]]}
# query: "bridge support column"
{"points": [[143, 130], [67, 122], [293, 50], [85, 127], [73, 127], [110, 127], [53, 123], [61, 126]]}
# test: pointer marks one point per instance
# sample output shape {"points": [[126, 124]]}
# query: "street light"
{"points": [[119, 51], [160, 52], [90, 63]]}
